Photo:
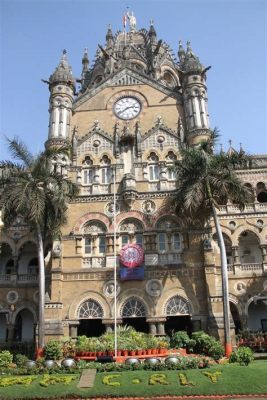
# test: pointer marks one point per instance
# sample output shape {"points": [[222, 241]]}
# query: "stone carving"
{"points": [[93, 228], [148, 207], [154, 288], [240, 287], [12, 297], [109, 209], [109, 289]]}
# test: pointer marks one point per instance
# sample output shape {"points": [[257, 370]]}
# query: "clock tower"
{"points": [[134, 108]]}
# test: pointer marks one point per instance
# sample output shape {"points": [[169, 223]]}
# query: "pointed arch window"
{"points": [[153, 167], [106, 171], [88, 172]]}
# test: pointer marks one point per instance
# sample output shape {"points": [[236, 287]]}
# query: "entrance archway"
{"points": [[3, 327], [24, 326], [134, 313], [178, 316], [257, 313], [236, 317], [90, 316]]}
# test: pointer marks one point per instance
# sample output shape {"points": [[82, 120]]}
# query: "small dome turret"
{"points": [[190, 62], [63, 72]]}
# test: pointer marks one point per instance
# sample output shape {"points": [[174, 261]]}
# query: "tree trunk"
{"points": [[225, 292], [41, 287]]}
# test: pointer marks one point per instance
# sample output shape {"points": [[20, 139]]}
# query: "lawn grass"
{"points": [[234, 379]]}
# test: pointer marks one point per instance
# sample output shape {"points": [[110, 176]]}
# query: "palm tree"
{"points": [[204, 181], [34, 191]]}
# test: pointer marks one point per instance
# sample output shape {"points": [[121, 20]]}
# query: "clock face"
{"points": [[127, 108]]}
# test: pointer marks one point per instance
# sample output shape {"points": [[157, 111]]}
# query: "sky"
{"points": [[229, 35]]}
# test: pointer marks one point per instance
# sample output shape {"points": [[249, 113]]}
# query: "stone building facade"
{"points": [[126, 120]]}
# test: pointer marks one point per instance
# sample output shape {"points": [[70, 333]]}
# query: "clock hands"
{"points": [[122, 111]]}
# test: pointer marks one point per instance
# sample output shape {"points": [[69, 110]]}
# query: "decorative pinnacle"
{"points": [[151, 22]]}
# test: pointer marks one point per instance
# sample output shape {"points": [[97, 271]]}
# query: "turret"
{"points": [[193, 79], [152, 33], [85, 63], [109, 37], [62, 90]]}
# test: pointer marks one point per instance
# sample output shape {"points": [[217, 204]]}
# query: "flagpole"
{"points": [[115, 263]]}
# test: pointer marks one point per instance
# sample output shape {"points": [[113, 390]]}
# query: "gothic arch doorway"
{"points": [[257, 312], [134, 313], [90, 314], [3, 326], [178, 315], [236, 317], [24, 326]]}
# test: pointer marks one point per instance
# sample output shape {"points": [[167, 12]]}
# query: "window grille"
{"points": [[91, 309], [177, 306], [133, 308]]}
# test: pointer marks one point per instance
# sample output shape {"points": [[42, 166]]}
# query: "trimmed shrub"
{"points": [[179, 339], [53, 350], [244, 355], [6, 358]]}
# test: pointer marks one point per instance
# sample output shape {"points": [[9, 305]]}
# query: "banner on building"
{"points": [[132, 274]]}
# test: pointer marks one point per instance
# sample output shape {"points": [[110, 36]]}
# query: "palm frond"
{"points": [[19, 151]]}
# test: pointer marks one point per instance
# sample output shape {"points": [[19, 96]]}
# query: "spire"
{"points": [[181, 52], [152, 32], [231, 149], [63, 72], [109, 37], [85, 62]]}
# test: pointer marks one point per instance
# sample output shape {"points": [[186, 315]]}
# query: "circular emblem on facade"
{"points": [[240, 287], [131, 255], [109, 209], [161, 139], [12, 297], [154, 288], [109, 289], [148, 207], [127, 107]]}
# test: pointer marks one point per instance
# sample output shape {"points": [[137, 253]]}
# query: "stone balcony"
{"points": [[13, 279], [248, 269], [249, 209]]}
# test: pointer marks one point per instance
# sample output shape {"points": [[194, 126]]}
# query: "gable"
{"points": [[159, 138], [92, 142], [125, 77]]}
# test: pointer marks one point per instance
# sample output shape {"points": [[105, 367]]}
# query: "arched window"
{"points": [[261, 192], [249, 250], [9, 266], [153, 167], [170, 160], [176, 305], [169, 239], [131, 231], [94, 238], [106, 171], [90, 309], [88, 171], [132, 308], [33, 268]]}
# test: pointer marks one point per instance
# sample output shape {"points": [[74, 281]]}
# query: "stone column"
{"points": [[161, 328], [264, 253], [73, 331], [152, 328], [10, 332], [235, 254], [78, 245]]}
